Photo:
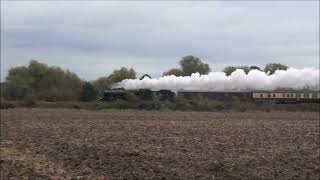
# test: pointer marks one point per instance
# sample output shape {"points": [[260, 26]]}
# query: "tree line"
{"points": [[191, 64], [39, 81]]}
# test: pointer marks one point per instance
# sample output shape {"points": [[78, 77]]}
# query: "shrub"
{"points": [[29, 100], [218, 107], [243, 109], [180, 104], [76, 106], [131, 97], [7, 104]]}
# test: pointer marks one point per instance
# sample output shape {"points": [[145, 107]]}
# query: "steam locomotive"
{"points": [[279, 96]]}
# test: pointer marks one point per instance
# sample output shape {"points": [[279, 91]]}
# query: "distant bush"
{"points": [[88, 93], [7, 104], [131, 97], [179, 104], [30, 100], [76, 106], [219, 107], [150, 106], [243, 109]]}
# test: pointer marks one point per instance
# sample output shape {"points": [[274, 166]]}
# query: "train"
{"points": [[141, 94], [278, 96]]}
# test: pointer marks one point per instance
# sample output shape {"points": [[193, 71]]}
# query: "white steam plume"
{"points": [[307, 78]]}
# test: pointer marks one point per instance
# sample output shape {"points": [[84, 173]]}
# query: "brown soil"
{"points": [[79, 144]]}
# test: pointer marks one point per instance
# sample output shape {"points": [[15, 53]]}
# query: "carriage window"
{"points": [[273, 95], [298, 95], [314, 95], [288, 95], [306, 95], [269, 95], [291, 95], [283, 95], [261, 95]]}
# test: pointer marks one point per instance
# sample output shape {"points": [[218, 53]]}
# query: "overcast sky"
{"points": [[93, 38]]}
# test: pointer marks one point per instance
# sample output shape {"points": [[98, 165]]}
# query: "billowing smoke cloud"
{"points": [[307, 78]]}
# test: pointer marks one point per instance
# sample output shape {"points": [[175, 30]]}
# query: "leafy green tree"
{"points": [[272, 67], [255, 67], [72, 86], [89, 93], [230, 69], [104, 83], [101, 84], [175, 71], [190, 64], [246, 69], [121, 74], [17, 84], [42, 82], [2, 89], [37, 71]]}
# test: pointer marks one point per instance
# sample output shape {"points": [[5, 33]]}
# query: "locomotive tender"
{"points": [[279, 96]]}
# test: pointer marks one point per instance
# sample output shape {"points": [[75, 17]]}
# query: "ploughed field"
{"points": [[81, 144]]}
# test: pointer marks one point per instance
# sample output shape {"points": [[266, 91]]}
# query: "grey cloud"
{"points": [[154, 33]]}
